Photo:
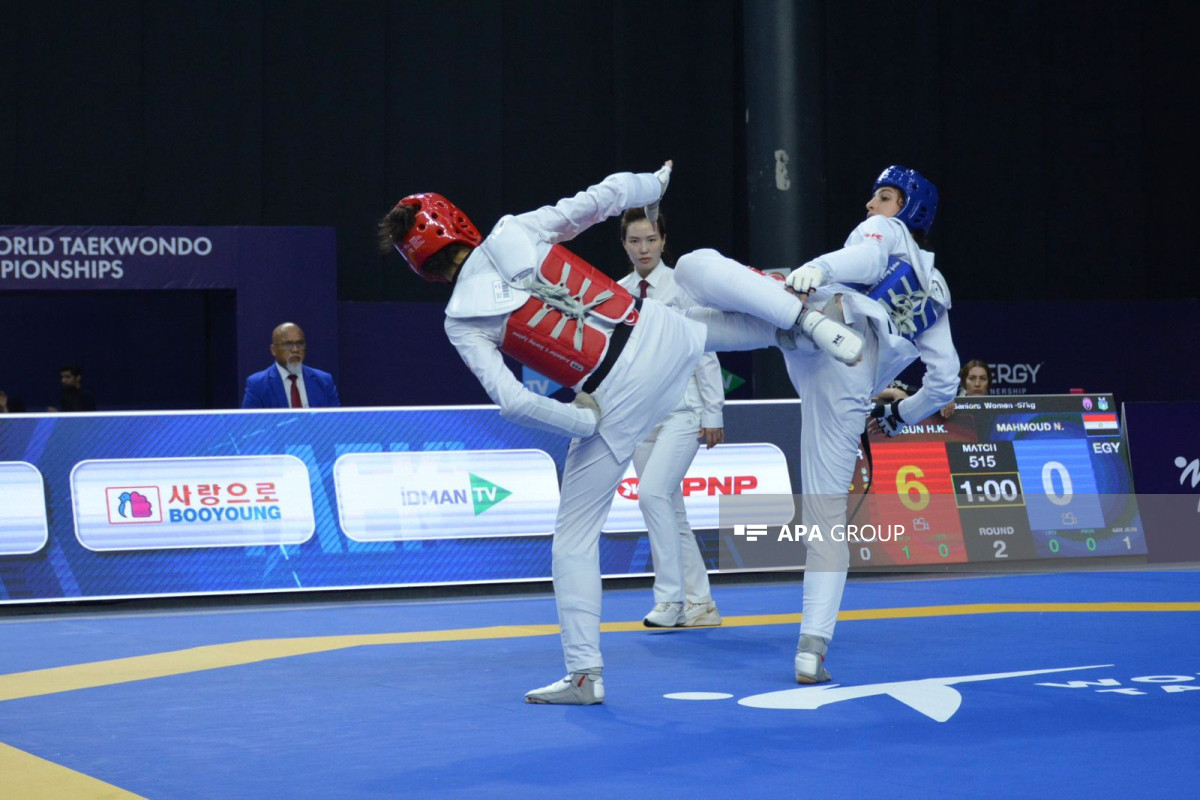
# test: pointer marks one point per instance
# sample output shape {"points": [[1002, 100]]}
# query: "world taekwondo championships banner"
{"points": [[170, 503], [130, 258]]}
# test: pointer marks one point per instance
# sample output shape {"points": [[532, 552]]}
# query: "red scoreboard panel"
{"points": [[912, 488]]}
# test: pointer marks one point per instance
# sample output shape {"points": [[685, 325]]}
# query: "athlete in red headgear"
{"points": [[518, 291], [436, 224]]}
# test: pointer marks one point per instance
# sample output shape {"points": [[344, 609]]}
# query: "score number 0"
{"points": [[1049, 470]]}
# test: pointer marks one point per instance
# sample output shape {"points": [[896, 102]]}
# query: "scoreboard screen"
{"points": [[1001, 479]]}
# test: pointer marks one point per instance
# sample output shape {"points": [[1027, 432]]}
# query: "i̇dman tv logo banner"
{"points": [[446, 494]]}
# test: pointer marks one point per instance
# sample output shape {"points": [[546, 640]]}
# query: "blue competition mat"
{"points": [[1080, 685]]}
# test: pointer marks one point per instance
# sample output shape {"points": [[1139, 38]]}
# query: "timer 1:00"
{"points": [[993, 491]]}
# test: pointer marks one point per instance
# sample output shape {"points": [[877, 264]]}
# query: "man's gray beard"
{"points": [[294, 367]]}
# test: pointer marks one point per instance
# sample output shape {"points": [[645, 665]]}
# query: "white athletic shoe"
{"points": [[664, 615], [576, 689], [843, 343], [810, 660], [700, 615]]}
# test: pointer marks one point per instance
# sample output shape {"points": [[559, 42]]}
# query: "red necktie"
{"points": [[643, 285], [296, 402]]}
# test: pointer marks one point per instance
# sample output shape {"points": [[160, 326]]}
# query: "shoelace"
{"points": [[556, 296], [905, 308]]}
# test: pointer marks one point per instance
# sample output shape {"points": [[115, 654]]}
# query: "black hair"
{"points": [[970, 365], [444, 261], [395, 226], [638, 214]]}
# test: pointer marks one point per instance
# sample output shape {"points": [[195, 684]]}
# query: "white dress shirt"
{"points": [[286, 377]]}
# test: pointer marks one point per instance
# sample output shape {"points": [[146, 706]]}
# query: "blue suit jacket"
{"points": [[265, 389]]}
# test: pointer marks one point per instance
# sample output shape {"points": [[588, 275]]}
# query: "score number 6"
{"points": [[907, 486]]}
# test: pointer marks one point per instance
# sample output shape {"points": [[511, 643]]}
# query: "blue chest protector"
{"points": [[911, 308]]}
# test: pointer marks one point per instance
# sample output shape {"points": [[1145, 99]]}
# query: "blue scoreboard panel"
{"points": [[1000, 479]]}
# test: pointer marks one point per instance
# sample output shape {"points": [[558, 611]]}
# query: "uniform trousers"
{"points": [[589, 481], [745, 311], [647, 381], [662, 461]]}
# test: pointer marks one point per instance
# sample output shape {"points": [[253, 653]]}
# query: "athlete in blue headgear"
{"points": [[882, 284], [919, 197]]}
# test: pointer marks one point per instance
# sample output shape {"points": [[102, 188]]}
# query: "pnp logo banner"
{"points": [[446, 494], [726, 470], [165, 503], [23, 528]]}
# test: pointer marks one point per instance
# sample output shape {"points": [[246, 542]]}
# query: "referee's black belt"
{"points": [[620, 337]]}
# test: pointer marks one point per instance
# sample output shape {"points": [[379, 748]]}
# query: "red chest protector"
{"points": [[555, 331]]}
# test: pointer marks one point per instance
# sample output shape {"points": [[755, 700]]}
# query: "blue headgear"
{"points": [[920, 196]]}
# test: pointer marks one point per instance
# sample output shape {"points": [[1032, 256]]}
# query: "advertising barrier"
{"points": [[179, 503]]}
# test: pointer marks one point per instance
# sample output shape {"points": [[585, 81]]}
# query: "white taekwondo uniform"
{"points": [[645, 383], [835, 397]]}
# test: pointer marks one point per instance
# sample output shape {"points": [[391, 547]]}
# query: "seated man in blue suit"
{"points": [[288, 383]]}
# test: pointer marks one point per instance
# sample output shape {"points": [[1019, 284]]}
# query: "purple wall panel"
{"points": [[104, 320], [1139, 350], [395, 354]]}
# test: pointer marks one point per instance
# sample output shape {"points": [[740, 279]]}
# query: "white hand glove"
{"points": [[585, 400], [807, 278], [664, 177]]}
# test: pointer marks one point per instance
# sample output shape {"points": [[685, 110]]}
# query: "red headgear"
{"points": [[438, 223]]}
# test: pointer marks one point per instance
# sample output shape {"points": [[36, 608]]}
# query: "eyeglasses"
{"points": [[300, 345]]}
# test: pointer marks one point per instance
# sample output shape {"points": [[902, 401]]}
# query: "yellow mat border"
{"points": [[39, 779]]}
